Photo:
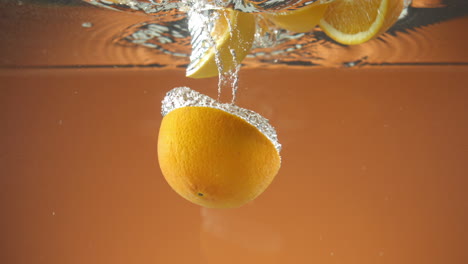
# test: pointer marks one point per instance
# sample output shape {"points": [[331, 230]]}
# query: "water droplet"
{"points": [[87, 24], [358, 62]]}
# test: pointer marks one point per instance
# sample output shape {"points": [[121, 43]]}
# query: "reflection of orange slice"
{"points": [[300, 20], [357, 21]]}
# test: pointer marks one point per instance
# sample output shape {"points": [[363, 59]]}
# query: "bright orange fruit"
{"points": [[214, 158]]}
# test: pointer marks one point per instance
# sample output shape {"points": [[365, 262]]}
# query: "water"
{"points": [[159, 6], [280, 47], [177, 21], [374, 143], [174, 22], [200, 26], [432, 33]]}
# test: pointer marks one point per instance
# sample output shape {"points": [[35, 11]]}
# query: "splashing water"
{"points": [[411, 37], [414, 40], [274, 47], [247, 6], [201, 22], [201, 19]]}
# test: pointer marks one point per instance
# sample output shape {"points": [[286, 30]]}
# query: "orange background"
{"points": [[374, 169], [374, 160]]}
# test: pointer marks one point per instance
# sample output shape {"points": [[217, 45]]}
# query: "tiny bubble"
{"points": [[350, 64], [332, 253], [145, 92], [75, 92], [60, 122], [381, 254], [53, 213], [87, 24]]}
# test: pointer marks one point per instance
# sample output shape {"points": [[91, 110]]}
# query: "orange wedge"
{"points": [[357, 21], [301, 20], [233, 32]]}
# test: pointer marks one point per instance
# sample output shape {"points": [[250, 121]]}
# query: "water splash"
{"points": [[275, 47], [201, 23]]}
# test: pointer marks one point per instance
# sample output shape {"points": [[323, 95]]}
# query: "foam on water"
{"points": [[184, 96]]}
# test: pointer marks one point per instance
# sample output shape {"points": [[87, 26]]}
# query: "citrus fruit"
{"points": [[301, 20], [213, 157], [357, 21], [232, 33]]}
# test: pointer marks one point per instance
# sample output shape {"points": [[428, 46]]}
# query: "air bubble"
{"points": [[87, 24]]}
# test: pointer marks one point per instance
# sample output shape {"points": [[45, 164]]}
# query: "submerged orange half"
{"points": [[214, 158]]}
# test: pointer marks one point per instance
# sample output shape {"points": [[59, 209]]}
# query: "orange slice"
{"points": [[233, 33], [301, 20], [357, 21]]}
